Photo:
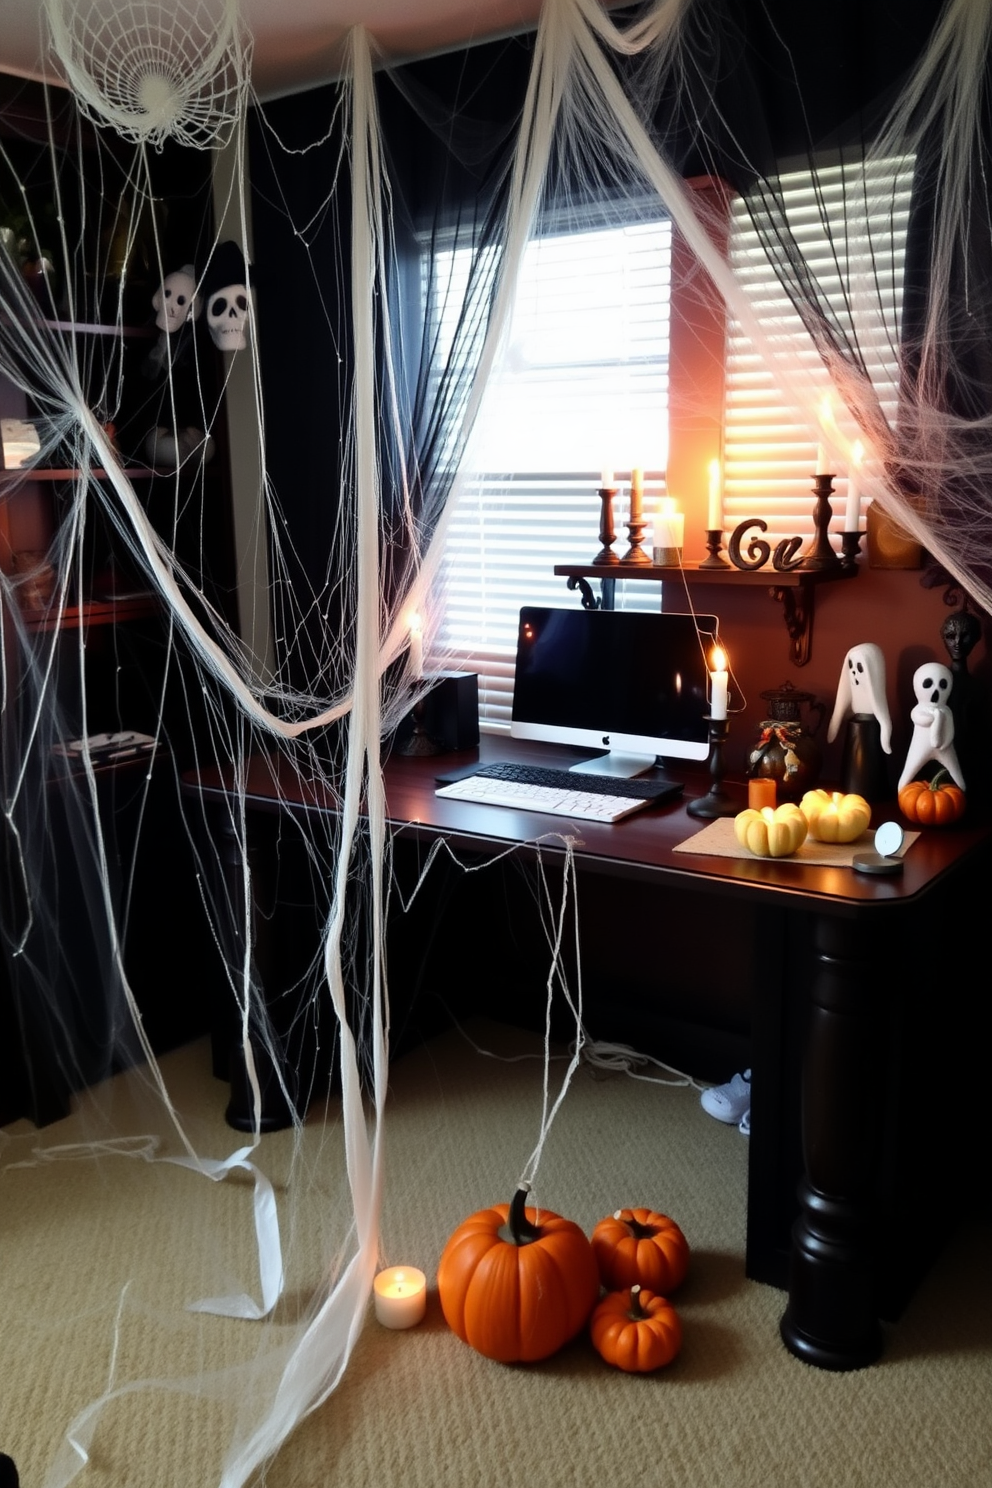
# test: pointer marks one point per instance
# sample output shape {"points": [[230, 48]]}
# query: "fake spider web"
{"points": [[152, 71]]}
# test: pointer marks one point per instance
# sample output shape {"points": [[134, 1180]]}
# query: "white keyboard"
{"points": [[553, 800]]}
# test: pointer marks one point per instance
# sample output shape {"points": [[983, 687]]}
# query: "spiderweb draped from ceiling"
{"points": [[604, 113]]}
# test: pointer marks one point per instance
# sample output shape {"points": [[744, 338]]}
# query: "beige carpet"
{"points": [[98, 1256]]}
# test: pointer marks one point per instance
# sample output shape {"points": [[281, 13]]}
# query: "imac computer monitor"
{"points": [[629, 681]]}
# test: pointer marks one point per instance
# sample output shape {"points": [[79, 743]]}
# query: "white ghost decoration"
{"points": [[861, 689], [227, 317], [176, 300], [933, 724]]}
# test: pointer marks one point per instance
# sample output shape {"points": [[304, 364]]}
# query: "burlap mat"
{"points": [[717, 840]]}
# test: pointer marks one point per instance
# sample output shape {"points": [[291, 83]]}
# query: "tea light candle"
{"points": [[761, 793], [400, 1294]]}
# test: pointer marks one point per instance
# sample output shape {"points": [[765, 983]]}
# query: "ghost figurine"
{"points": [[227, 297], [176, 300], [933, 724], [862, 704]]}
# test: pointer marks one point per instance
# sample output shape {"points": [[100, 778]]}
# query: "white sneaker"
{"points": [[728, 1102], [745, 1127]]}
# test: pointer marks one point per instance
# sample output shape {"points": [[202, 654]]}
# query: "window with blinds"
{"points": [[769, 451], [582, 385]]}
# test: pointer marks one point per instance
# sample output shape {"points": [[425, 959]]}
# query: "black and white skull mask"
{"points": [[227, 317], [175, 301]]}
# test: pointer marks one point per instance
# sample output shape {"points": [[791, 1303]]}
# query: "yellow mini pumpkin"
{"points": [[833, 816], [772, 832]]}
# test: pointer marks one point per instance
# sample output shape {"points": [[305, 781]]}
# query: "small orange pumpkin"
{"points": [[636, 1330], [515, 1283], [638, 1245], [933, 803]]}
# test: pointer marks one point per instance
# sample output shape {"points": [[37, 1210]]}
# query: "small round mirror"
{"points": [[889, 839]]}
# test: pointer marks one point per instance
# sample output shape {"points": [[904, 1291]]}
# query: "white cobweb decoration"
{"points": [[155, 69]]}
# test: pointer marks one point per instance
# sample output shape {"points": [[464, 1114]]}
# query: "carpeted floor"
{"points": [[99, 1252]]}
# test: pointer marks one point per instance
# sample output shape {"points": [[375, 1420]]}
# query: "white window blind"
{"points": [[582, 386], [769, 452]]}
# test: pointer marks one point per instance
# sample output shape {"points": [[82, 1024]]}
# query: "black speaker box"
{"points": [[449, 713]]}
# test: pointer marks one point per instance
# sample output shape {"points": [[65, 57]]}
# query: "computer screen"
{"points": [[632, 682]]}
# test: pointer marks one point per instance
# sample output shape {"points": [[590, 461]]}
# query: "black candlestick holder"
{"points": [[607, 531], [820, 555], [716, 802], [850, 547], [420, 743], [714, 541]]}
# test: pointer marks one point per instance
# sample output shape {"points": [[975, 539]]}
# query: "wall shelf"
{"points": [[793, 588]]}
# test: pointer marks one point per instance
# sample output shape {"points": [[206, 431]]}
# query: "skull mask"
{"points": [[176, 300], [227, 317], [227, 297]]}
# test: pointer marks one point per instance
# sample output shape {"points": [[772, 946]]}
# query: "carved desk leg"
{"points": [[831, 1319]]}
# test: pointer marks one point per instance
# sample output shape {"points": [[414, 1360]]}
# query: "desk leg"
{"points": [[831, 1320], [227, 1052]]}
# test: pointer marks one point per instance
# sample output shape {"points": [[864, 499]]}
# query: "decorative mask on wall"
{"points": [[228, 302]]}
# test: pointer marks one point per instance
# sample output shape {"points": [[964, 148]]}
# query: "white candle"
{"points": [[852, 507], [416, 647], [669, 525], [822, 452], [606, 480], [636, 494], [400, 1294], [719, 684], [714, 517]]}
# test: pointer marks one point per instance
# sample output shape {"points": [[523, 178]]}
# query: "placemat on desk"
{"points": [[717, 840]]}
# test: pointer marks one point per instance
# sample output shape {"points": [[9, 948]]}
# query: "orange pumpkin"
{"points": [[932, 803], [638, 1245], [515, 1283], [636, 1330]]}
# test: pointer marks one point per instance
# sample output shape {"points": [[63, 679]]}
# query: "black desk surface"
{"points": [[640, 846]]}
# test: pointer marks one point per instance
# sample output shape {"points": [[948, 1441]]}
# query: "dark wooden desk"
{"points": [[859, 928]]}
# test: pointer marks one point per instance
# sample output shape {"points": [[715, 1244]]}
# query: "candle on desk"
{"points": [[416, 647], [714, 514], [761, 793], [400, 1294], [852, 508], [636, 494], [719, 684]]}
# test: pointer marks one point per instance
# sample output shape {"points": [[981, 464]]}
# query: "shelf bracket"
{"points": [[797, 608], [589, 600]]}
